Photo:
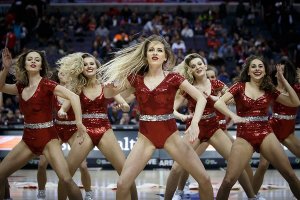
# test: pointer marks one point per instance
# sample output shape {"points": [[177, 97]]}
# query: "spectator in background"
{"points": [[178, 44], [187, 32], [121, 38]]}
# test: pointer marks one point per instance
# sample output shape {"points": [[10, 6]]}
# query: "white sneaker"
{"points": [[178, 195], [260, 197], [89, 195], [41, 195]]}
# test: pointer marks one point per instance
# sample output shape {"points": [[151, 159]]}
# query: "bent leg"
{"points": [[236, 165], [75, 157], [293, 144], [258, 177], [55, 157], [14, 160], [110, 148], [41, 173], [184, 154], [85, 175], [178, 175], [134, 164], [272, 150], [222, 143]]}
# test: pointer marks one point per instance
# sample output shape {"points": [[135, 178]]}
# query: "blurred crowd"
{"points": [[225, 39]]}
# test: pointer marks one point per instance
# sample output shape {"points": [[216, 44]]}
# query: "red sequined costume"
{"points": [[38, 118], [155, 103], [208, 124], [94, 116], [255, 112], [283, 119], [65, 127]]}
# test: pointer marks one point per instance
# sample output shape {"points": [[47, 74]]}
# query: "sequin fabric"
{"points": [[96, 126], [284, 118], [158, 101], [36, 110], [256, 130], [208, 124], [65, 127]]}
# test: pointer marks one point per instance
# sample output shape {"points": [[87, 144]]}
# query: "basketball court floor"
{"points": [[150, 185]]}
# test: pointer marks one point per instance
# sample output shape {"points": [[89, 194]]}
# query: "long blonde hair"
{"points": [[133, 60], [72, 66], [183, 67]]}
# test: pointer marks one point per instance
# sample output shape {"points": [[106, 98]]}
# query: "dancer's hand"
{"points": [[123, 106], [62, 114], [6, 59], [81, 132], [192, 132]]}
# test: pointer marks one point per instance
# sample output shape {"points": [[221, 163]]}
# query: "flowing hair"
{"points": [[72, 66], [183, 67], [266, 83], [21, 72], [132, 61]]}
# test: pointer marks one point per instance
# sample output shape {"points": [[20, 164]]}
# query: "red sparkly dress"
{"points": [[209, 123], [157, 121], [283, 119], [65, 127], [38, 119], [94, 116], [255, 112]]}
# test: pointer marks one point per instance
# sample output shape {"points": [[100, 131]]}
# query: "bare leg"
{"points": [[236, 165], [260, 173], [273, 151], [7, 192], [15, 160], [222, 143], [111, 150], [184, 174], [293, 144], [134, 164], [54, 155], [248, 168], [178, 174], [42, 174], [85, 176], [189, 160], [75, 157], [175, 174]]}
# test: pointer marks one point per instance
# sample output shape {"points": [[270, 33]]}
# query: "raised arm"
{"points": [[193, 130], [6, 64], [292, 99]]}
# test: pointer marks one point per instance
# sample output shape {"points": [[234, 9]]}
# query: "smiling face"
{"points": [[89, 67], [156, 55], [33, 62], [256, 70], [197, 67]]}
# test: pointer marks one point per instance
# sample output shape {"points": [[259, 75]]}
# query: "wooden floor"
{"points": [[150, 184]]}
